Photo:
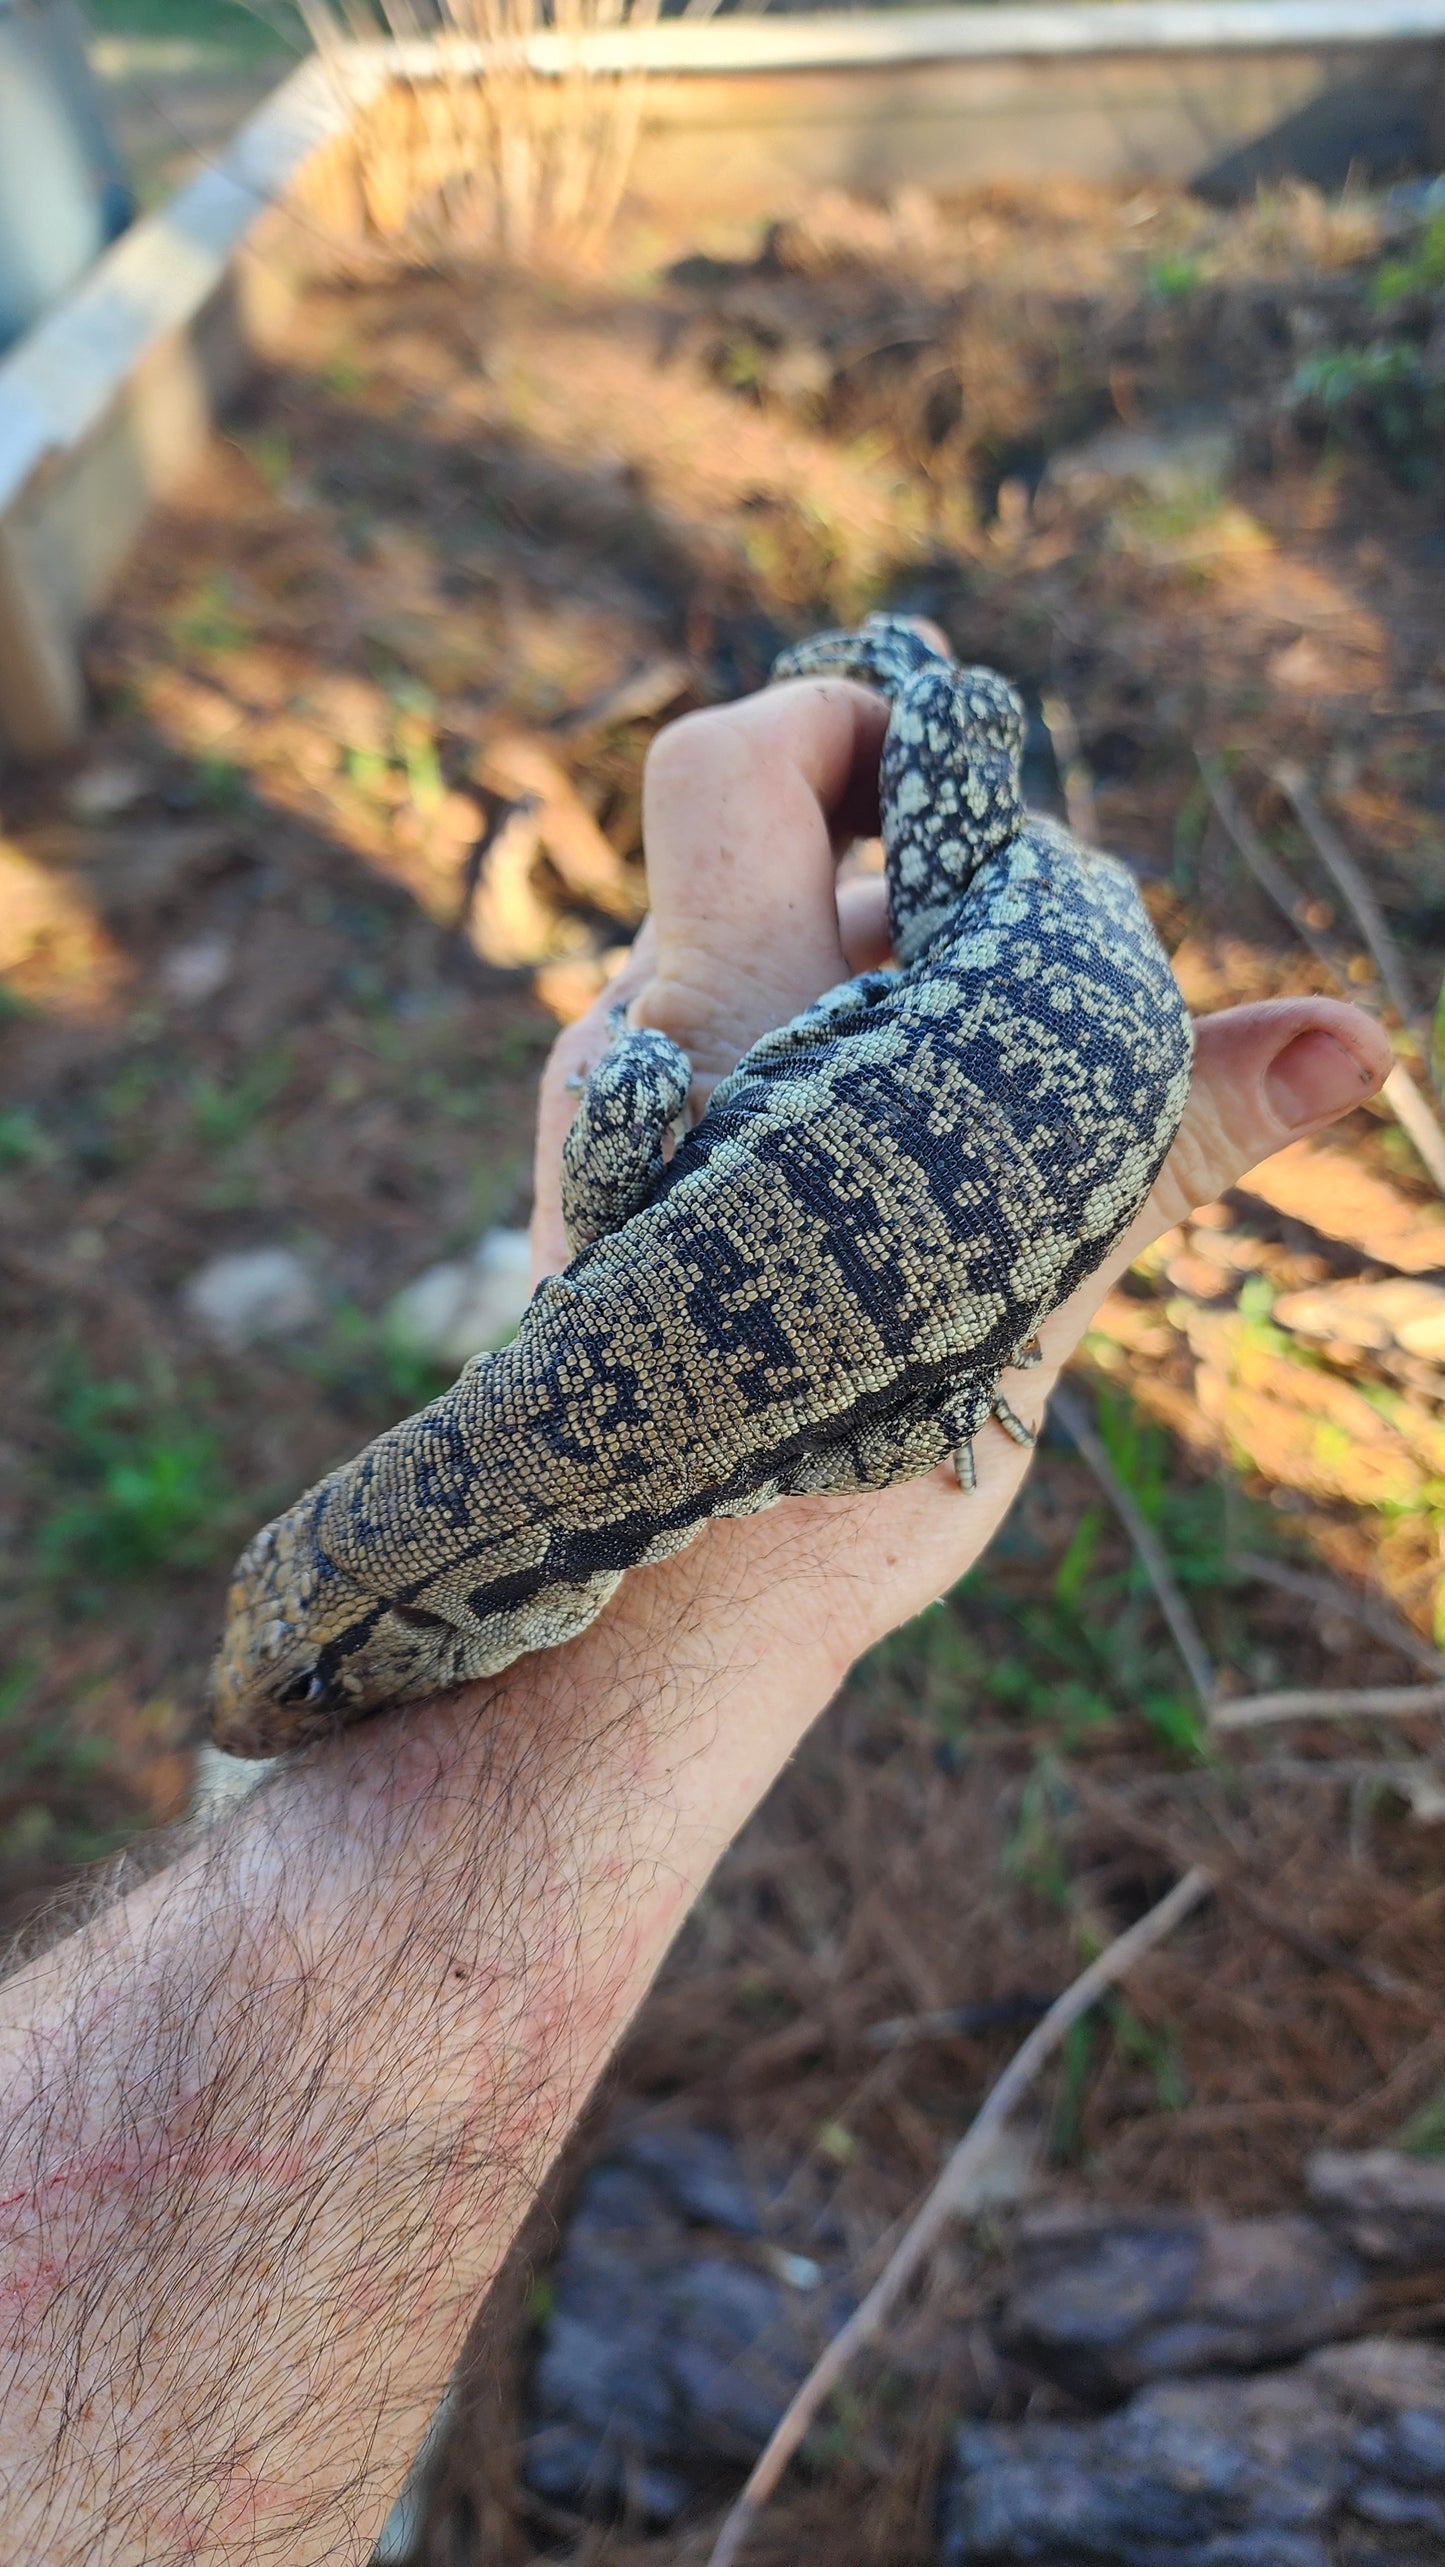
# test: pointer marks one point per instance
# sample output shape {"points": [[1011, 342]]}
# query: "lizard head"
{"points": [[306, 1650]]}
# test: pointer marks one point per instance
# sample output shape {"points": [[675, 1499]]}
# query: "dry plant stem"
{"points": [[1416, 1121], [952, 2196], [1372, 1611], [1327, 1954], [1399, 1092], [1148, 1547], [535, 159], [1353, 889], [1249, 1711], [1377, 1702], [1073, 766]]}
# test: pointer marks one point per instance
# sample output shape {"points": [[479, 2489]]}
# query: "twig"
{"points": [[951, 2195], [1416, 1122], [1399, 1092], [1365, 1702], [1337, 1596], [1269, 873], [1329, 1955], [957, 2022], [1147, 1544], [1073, 766], [1353, 889]]}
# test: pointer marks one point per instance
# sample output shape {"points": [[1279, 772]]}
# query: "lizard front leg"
{"points": [[613, 1157]]}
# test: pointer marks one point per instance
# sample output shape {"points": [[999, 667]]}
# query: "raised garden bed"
{"points": [[104, 405]]}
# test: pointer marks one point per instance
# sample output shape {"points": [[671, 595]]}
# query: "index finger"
{"points": [[745, 809]]}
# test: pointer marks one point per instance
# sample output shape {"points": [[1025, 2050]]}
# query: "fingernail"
{"points": [[1314, 1076]]}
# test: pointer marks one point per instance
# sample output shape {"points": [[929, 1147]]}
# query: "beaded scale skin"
{"points": [[818, 1291]]}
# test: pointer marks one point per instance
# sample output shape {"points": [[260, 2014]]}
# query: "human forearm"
{"points": [[279, 2112]]}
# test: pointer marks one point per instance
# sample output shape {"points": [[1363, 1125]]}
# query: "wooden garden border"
{"points": [[105, 405]]}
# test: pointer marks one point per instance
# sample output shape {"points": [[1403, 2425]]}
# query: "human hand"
{"points": [[745, 811]]}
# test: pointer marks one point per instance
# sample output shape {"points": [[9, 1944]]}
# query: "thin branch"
{"points": [[1292, 903], [1326, 1953], [1336, 1595], [1417, 1122], [1353, 889], [1152, 1559], [1366, 1702], [954, 2194], [1075, 774], [1399, 1092], [957, 2022]]}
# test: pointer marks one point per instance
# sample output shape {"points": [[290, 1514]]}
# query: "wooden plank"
{"points": [[754, 141], [106, 404], [692, 47]]}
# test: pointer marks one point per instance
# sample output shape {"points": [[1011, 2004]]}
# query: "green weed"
{"points": [[210, 622], [1423, 2135], [224, 1114], [414, 740], [1384, 395], [1174, 278], [1082, 2056], [23, 1141], [1076, 2066], [148, 1491], [1158, 2052], [220, 784], [268, 451], [1033, 1853], [343, 376], [1422, 273]]}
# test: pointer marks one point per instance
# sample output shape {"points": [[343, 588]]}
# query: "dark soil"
{"points": [[254, 996]]}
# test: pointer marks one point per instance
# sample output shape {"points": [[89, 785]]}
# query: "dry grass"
{"points": [[481, 142]]}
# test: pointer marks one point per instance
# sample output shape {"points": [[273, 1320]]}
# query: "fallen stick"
{"points": [[1074, 771], [1336, 1595], [1365, 1702], [950, 2198], [1147, 1545], [1399, 1092], [1416, 1121], [1353, 889]]}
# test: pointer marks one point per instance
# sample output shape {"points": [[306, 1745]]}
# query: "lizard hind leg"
{"points": [[1012, 1424], [613, 1157]]}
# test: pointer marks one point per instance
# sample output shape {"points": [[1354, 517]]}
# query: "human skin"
{"points": [[276, 2112]]}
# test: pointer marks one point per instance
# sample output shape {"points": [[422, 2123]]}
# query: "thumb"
{"points": [[1263, 1076]]}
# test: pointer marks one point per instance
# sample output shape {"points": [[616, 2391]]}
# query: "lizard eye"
{"points": [[303, 1689]]}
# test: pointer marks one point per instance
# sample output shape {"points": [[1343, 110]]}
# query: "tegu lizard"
{"points": [[817, 1290]]}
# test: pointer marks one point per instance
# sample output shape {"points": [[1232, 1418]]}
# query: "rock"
{"points": [[191, 973], [1103, 2302], [1214, 2472], [458, 1309], [102, 792], [1389, 2208], [253, 1293], [1187, 461], [699, 2169], [676, 2335]]}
